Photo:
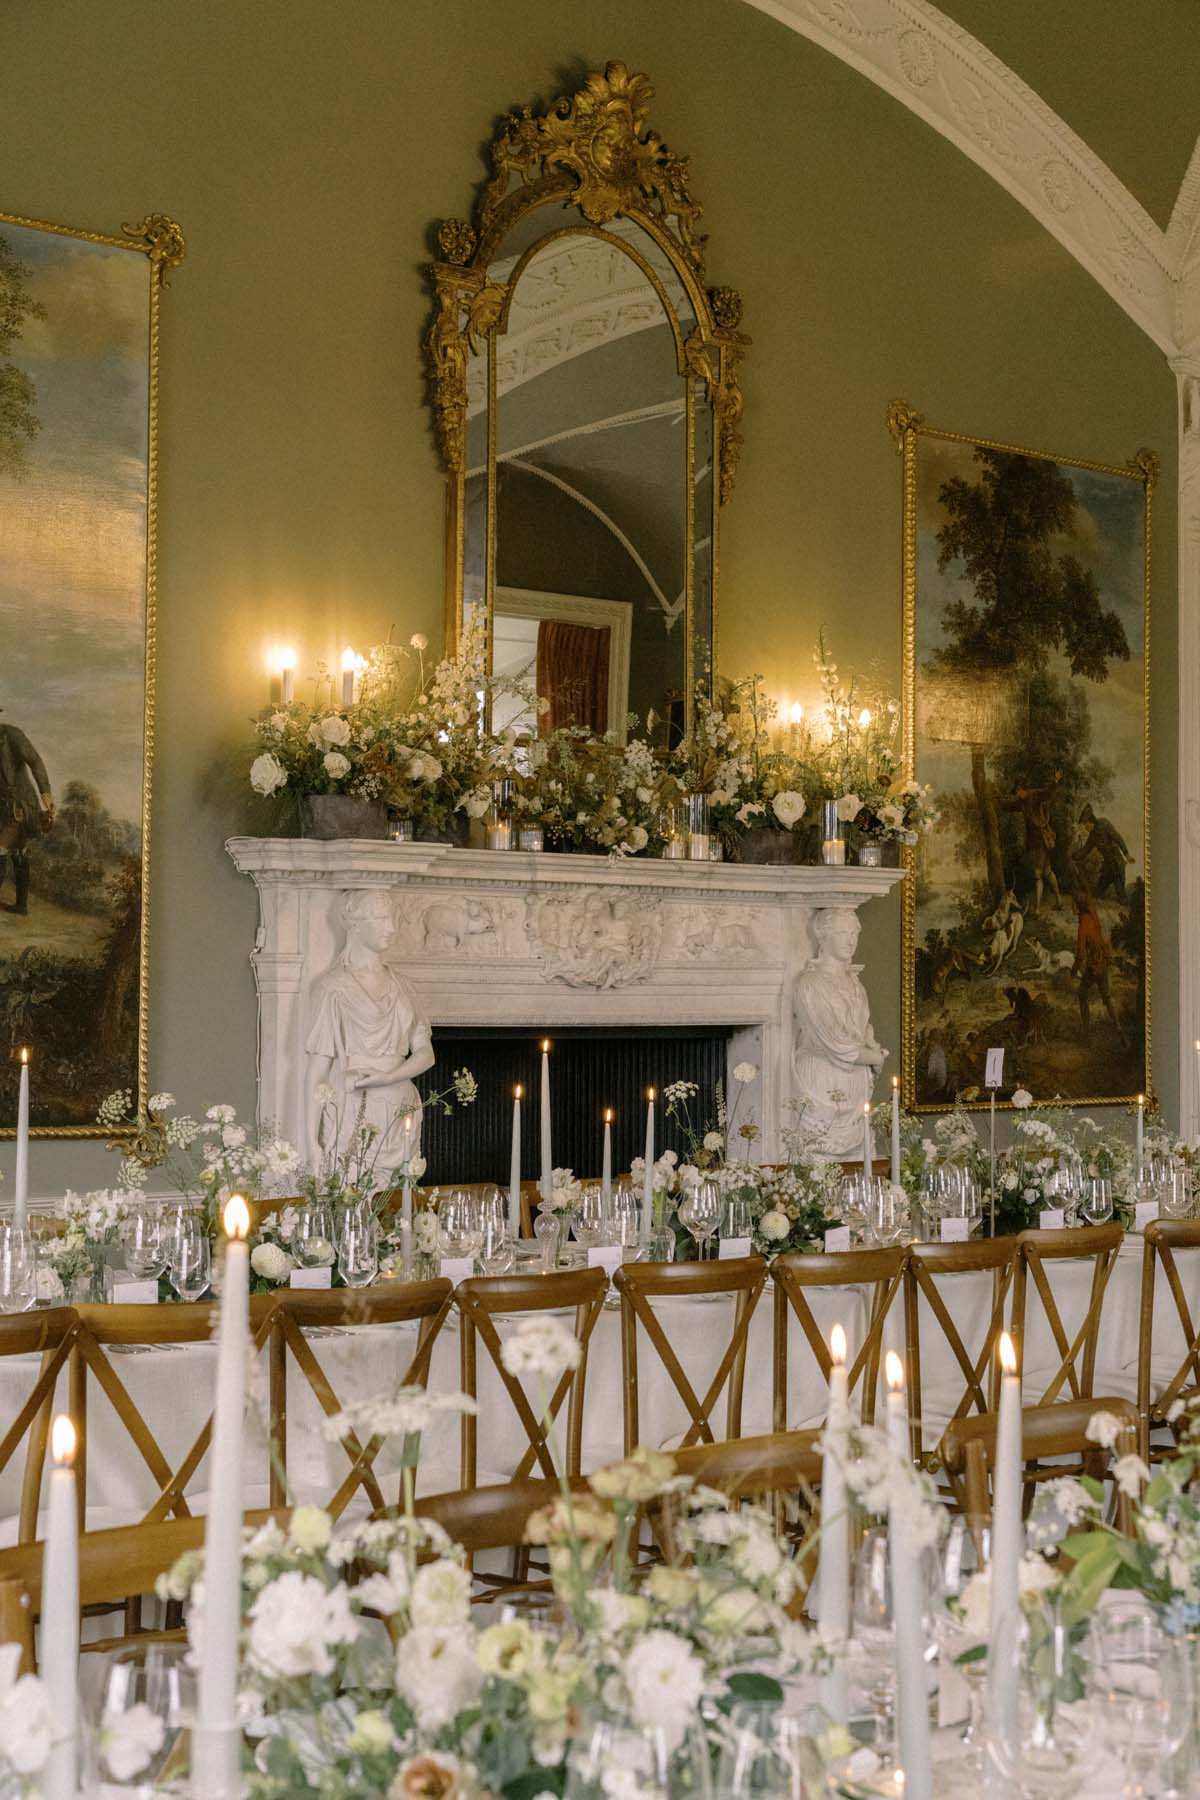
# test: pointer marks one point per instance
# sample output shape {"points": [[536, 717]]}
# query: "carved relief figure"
{"points": [[368, 1038], [595, 939], [835, 1055], [449, 924]]}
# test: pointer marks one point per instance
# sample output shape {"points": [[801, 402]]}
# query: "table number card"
{"points": [[311, 1278], [607, 1257], [837, 1238], [993, 1076], [1144, 1213], [127, 1290], [955, 1231], [736, 1246], [457, 1268], [1053, 1218]]}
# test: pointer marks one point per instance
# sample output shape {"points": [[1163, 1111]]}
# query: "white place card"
{"points": [[955, 1231], [605, 1256], [735, 1246], [128, 1290], [1144, 1213], [837, 1238], [953, 1693], [993, 1076], [1053, 1218], [457, 1268], [311, 1278]]}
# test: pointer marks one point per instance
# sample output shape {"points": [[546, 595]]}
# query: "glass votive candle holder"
{"points": [[400, 831], [699, 836], [833, 846], [531, 837]]}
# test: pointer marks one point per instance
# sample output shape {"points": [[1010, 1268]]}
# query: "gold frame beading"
{"points": [[160, 239], [593, 150], [906, 427]]}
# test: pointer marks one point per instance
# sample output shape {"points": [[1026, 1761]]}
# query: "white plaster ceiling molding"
{"points": [[955, 84]]}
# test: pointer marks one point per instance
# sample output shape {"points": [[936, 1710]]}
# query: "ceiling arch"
{"points": [[953, 82]]}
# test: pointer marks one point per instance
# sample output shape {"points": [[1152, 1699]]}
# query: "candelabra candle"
{"points": [[215, 1755], [833, 1576], [1141, 1131], [60, 1616], [500, 837]]}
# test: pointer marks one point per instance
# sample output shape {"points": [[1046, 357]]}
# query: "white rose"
{"points": [[745, 1072], [438, 1673], [272, 1263], [638, 838], [752, 809], [267, 773], [334, 729], [1022, 1097], [336, 765], [294, 1624], [788, 808], [848, 808], [774, 1226]]}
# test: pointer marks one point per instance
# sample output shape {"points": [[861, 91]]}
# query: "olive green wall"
{"points": [[306, 148]]}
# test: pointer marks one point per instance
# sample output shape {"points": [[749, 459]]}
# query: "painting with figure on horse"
{"points": [[1028, 685], [74, 398]]}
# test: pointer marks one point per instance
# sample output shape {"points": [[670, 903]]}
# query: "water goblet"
{"points": [[589, 1218], [700, 1211], [887, 1215], [763, 1754], [1175, 1194], [191, 1258], [312, 1240], [18, 1268], [145, 1241], [145, 1710], [1141, 1686], [1096, 1203]]}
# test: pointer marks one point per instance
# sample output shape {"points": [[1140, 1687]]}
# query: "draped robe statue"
{"points": [[368, 1039], [835, 1056]]}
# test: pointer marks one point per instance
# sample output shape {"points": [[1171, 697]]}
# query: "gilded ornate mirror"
{"points": [[585, 393]]}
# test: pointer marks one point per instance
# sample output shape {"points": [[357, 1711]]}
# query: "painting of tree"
{"points": [[1026, 613]]}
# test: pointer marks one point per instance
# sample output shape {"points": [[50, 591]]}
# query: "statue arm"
{"points": [[406, 1068]]}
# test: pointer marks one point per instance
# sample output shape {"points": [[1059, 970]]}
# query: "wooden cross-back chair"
{"points": [[794, 1276], [107, 1332], [973, 1387], [639, 1284], [1038, 1252], [50, 1336], [1049, 1435], [297, 1310], [124, 1561], [484, 1298], [1176, 1377], [775, 1467]]}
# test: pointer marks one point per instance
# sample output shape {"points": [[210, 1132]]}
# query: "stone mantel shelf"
{"points": [[353, 862], [486, 938]]}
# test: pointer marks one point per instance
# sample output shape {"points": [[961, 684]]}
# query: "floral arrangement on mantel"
{"points": [[413, 741], [364, 1671]]}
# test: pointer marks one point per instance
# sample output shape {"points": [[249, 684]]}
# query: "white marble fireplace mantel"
{"points": [[489, 938]]}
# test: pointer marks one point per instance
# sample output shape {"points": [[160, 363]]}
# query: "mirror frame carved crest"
{"points": [[595, 151]]}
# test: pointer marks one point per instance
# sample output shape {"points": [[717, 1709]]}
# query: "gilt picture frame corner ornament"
{"points": [[1026, 704], [79, 350]]}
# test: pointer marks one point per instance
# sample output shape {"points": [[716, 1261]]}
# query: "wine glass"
{"points": [[962, 1621], [358, 1248], [312, 1239], [1097, 1204], [140, 1728], [700, 1211], [18, 1268], [145, 1241], [873, 1641], [763, 1753], [589, 1219], [1140, 1684], [887, 1216], [191, 1258], [618, 1759], [1175, 1194]]}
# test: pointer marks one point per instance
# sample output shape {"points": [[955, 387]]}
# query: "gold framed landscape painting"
{"points": [[78, 426], [1026, 669]]}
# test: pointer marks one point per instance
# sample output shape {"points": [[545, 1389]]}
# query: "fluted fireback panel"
{"points": [[589, 1070]]}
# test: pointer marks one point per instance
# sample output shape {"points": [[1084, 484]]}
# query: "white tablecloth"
{"points": [[173, 1387]]}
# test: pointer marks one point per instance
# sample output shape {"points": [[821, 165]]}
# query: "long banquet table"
{"points": [[172, 1386]]}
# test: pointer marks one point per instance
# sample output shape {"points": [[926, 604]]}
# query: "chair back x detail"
{"points": [[931, 1272], [1036, 1251], [1169, 1246], [794, 1277]]}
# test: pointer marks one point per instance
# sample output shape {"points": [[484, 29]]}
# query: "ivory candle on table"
{"points": [[1006, 1542], [606, 1169], [833, 1576], [21, 1180], [547, 1147], [514, 1169], [1141, 1130], [406, 1194], [908, 1614], [349, 664], [215, 1753], [647, 1229], [59, 1648], [868, 1141], [895, 1131], [287, 676]]}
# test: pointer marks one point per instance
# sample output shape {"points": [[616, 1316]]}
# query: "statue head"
{"points": [[836, 930], [368, 917]]}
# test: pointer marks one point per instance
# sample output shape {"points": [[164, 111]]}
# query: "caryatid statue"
{"points": [[368, 1038], [835, 1056]]}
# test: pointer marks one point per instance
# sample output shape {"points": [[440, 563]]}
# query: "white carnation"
{"points": [[713, 1140], [1104, 1428], [441, 1594], [295, 1623], [336, 765], [129, 1739], [437, 1673], [271, 1262], [418, 641], [665, 1679], [1022, 1097]]}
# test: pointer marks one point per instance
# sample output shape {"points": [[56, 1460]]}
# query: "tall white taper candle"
{"points": [[1195, 1131], [908, 1614], [59, 1649], [514, 1169], [1141, 1132], [215, 1751], [287, 676], [349, 664], [606, 1167], [21, 1181], [547, 1147], [1006, 1545], [895, 1131], [833, 1576], [406, 1192], [868, 1141], [647, 1226]]}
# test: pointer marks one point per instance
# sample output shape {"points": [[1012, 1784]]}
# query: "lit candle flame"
{"points": [[650, 1095], [349, 661], [236, 1217], [545, 1046], [1008, 1354], [795, 712], [1141, 1099], [864, 717], [518, 1091], [62, 1441], [407, 1124], [287, 661], [895, 1081], [893, 1371], [866, 1109], [24, 1055], [837, 1344]]}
